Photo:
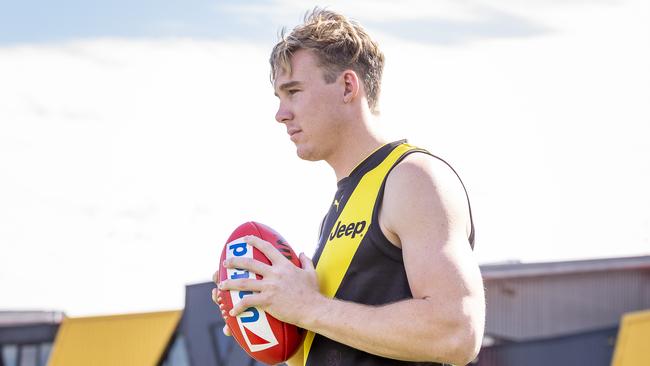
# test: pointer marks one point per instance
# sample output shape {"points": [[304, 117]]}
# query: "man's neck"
{"points": [[352, 151]]}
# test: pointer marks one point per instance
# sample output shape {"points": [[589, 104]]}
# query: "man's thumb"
{"points": [[306, 262]]}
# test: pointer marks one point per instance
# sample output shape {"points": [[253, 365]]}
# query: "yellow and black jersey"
{"points": [[354, 260]]}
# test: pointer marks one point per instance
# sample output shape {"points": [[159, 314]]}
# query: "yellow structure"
{"points": [[633, 342], [125, 340]]}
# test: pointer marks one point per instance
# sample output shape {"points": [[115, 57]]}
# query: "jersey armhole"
{"points": [[379, 239]]}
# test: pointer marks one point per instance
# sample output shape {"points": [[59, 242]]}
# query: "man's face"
{"points": [[309, 107]]}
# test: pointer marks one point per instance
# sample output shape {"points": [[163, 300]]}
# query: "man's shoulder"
{"points": [[424, 186], [423, 169]]}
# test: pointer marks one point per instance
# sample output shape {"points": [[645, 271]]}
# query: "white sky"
{"points": [[126, 163]]}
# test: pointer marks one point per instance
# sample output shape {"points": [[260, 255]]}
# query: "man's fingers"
{"points": [[215, 296], [306, 262], [243, 284], [245, 303], [226, 331], [224, 315], [249, 264], [219, 301], [271, 252]]}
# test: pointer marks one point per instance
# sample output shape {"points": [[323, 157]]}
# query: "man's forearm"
{"points": [[408, 330]]}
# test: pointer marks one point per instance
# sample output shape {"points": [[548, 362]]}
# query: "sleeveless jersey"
{"points": [[355, 261]]}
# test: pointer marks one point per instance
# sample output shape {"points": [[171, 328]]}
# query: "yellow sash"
{"points": [[338, 252]]}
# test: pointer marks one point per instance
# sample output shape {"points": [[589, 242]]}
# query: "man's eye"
{"points": [[292, 91]]}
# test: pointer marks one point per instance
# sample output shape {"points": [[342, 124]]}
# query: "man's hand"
{"points": [[285, 291], [295, 360], [217, 300]]}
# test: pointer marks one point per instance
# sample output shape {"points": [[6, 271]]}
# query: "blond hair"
{"points": [[338, 44]]}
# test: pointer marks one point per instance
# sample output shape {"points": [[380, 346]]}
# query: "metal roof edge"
{"points": [[537, 269], [27, 317]]}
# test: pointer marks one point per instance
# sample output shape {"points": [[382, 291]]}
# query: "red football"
{"points": [[262, 336]]}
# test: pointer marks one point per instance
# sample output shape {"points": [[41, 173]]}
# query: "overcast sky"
{"points": [[135, 136]]}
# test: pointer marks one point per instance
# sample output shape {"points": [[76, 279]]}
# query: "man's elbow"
{"points": [[468, 333], [463, 344], [467, 345]]}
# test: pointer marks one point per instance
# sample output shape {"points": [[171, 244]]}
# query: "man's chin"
{"points": [[306, 154]]}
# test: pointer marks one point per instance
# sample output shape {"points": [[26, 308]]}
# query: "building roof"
{"points": [[517, 270], [125, 340], [16, 317], [632, 342]]}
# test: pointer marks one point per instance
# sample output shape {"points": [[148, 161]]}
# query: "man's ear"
{"points": [[351, 85]]}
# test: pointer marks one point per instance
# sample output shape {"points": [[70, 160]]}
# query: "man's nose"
{"points": [[283, 114]]}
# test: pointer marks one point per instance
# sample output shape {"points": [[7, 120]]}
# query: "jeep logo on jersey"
{"points": [[252, 322], [352, 229]]}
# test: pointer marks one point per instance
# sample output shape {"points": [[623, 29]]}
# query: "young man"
{"points": [[394, 280]]}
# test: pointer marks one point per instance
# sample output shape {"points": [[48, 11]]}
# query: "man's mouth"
{"points": [[293, 131]]}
